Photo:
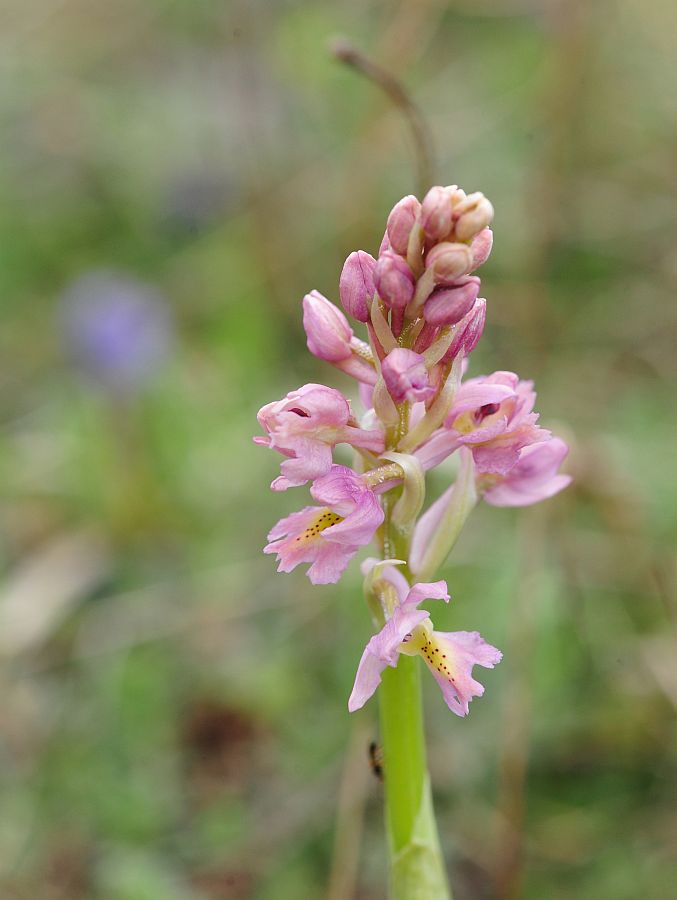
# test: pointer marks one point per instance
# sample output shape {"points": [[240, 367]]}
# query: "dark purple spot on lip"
{"points": [[300, 412], [487, 410]]}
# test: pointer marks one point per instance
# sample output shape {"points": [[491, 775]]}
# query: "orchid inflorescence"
{"points": [[421, 306]]}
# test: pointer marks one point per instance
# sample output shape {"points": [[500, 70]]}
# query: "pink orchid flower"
{"points": [[328, 536], [305, 426], [496, 429], [493, 416], [450, 656]]}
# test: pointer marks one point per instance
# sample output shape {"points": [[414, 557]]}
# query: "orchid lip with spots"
{"points": [[420, 305], [328, 536], [450, 657]]}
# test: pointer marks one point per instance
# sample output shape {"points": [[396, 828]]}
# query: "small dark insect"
{"points": [[376, 760]]}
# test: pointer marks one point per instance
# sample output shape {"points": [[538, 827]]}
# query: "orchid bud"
{"points": [[469, 331], [472, 215], [448, 305], [356, 285], [327, 329], [401, 220], [406, 376], [448, 261], [481, 247], [394, 280], [456, 196], [436, 212]]}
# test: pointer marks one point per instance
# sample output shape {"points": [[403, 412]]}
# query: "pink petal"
{"points": [[330, 563], [381, 651], [315, 461], [474, 394], [452, 668], [507, 494], [494, 427], [534, 477], [525, 494], [441, 445], [359, 526], [367, 679], [294, 523], [290, 552], [498, 459], [369, 439], [341, 488], [432, 590]]}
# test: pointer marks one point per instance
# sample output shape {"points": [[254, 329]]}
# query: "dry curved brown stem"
{"points": [[347, 53]]}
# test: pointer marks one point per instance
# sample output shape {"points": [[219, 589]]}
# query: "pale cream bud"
{"points": [[449, 261], [472, 215]]}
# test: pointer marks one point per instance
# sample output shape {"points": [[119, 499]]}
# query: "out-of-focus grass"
{"points": [[174, 714]]}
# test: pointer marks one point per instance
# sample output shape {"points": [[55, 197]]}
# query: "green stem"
{"points": [[416, 864], [416, 870]]}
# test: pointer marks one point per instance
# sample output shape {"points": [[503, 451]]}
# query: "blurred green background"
{"points": [[173, 723]]}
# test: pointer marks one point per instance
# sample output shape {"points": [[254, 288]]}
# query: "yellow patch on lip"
{"points": [[325, 519], [413, 644], [465, 423], [437, 657], [468, 421]]}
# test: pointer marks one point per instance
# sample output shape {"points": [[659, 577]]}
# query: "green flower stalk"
{"points": [[423, 314], [417, 869]]}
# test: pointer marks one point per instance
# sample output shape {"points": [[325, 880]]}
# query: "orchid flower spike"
{"points": [[421, 305], [424, 313]]}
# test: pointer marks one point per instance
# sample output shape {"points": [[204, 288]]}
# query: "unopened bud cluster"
{"points": [[421, 305]]}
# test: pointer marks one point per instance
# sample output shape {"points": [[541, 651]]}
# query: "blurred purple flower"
{"points": [[119, 331]]}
